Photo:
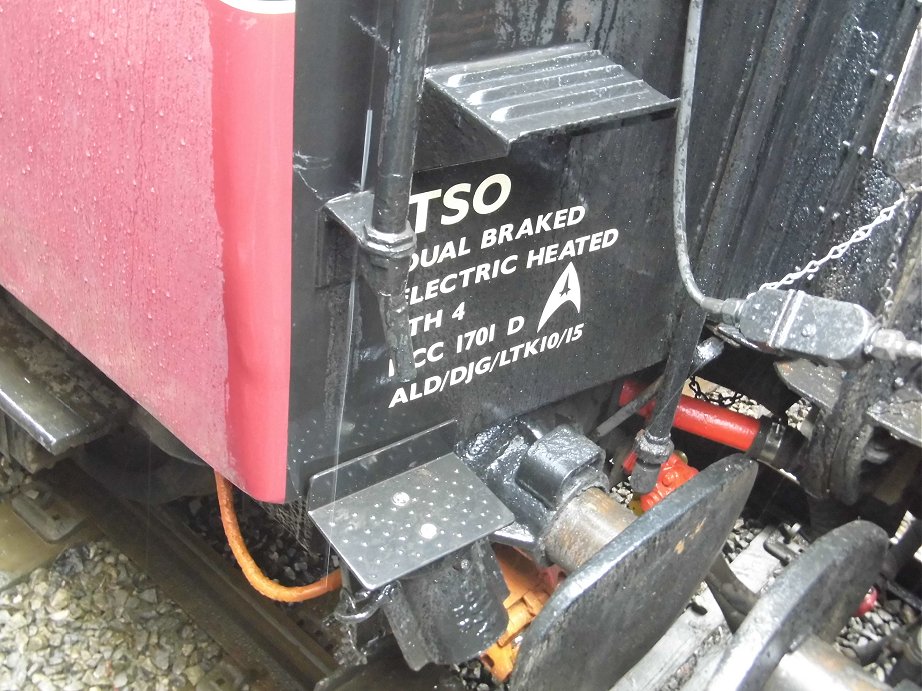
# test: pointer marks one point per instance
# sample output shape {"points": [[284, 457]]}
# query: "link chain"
{"points": [[861, 234], [886, 290]]}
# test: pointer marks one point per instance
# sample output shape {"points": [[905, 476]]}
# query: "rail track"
{"points": [[264, 643], [271, 646]]}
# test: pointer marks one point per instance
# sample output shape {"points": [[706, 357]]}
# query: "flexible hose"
{"points": [[254, 575], [680, 163]]}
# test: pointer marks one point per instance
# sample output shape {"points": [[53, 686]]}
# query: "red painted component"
{"points": [[252, 101], [674, 473], [868, 602], [703, 419], [145, 207], [552, 576]]}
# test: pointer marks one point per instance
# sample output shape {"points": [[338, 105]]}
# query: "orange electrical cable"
{"points": [[260, 582]]}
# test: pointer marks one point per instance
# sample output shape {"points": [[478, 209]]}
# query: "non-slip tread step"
{"points": [[489, 104]]}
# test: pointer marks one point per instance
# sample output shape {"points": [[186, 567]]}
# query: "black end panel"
{"points": [[473, 365]]}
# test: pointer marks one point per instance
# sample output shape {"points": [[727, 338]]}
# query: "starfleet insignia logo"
{"points": [[565, 290]]}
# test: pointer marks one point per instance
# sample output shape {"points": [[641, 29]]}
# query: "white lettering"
{"points": [[400, 396], [579, 212], [464, 374], [462, 278], [451, 201], [422, 208], [551, 253], [505, 188]]}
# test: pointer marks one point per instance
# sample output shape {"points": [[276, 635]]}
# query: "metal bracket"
{"points": [[352, 213], [385, 263], [369, 469], [395, 527], [559, 465], [821, 384]]}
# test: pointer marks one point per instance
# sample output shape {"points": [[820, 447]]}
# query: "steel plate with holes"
{"points": [[395, 527]]}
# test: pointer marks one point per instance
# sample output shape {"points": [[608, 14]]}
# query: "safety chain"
{"points": [[860, 235], [886, 290], [714, 397]]}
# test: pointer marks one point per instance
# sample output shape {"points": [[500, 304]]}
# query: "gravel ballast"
{"points": [[12, 476], [92, 620]]}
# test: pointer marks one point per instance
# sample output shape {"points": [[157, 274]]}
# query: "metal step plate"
{"points": [[56, 397], [486, 105], [397, 526]]}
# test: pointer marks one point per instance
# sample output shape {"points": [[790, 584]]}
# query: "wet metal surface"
{"points": [[900, 415], [817, 383], [397, 526], [59, 400], [489, 104], [687, 638], [667, 552], [815, 595]]}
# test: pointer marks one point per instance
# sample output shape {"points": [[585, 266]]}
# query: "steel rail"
{"points": [[257, 635]]}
